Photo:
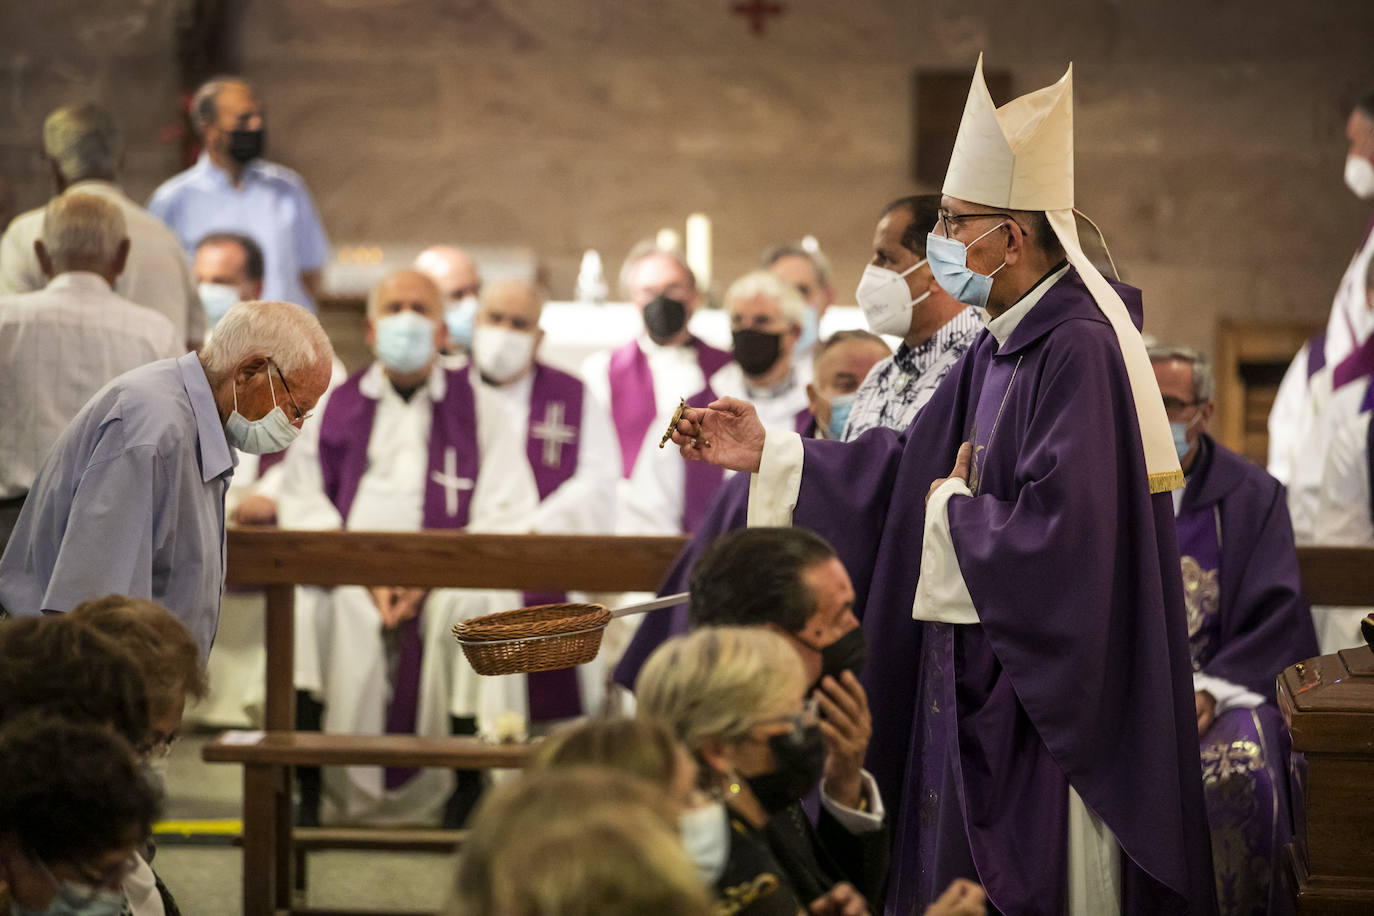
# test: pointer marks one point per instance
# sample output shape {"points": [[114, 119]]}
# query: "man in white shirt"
{"points": [[647, 376], [59, 345], [504, 444], [84, 146]]}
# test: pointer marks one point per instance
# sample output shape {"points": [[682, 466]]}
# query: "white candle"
{"points": [[667, 240], [699, 248]]}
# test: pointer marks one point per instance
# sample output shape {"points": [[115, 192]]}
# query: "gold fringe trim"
{"points": [[1166, 481]]}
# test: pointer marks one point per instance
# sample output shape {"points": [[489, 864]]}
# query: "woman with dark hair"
{"points": [[74, 807]]}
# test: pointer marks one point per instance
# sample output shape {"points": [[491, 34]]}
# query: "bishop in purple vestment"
{"points": [[1030, 679]]}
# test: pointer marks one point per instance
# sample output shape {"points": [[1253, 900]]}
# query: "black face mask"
{"points": [[799, 759], [245, 145], [755, 351], [844, 654], [664, 318]]}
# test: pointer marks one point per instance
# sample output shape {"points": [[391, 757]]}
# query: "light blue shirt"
{"points": [[130, 501], [271, 206]]}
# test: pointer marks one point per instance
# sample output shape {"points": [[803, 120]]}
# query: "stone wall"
{"points": [[1210, 135]]}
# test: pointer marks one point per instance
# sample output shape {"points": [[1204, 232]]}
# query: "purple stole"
{"points": [[552, 447], [345, 430], [1316, 354], [632, 394]]}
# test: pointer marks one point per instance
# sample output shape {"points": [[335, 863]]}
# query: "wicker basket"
{"points": [[541, 638]]}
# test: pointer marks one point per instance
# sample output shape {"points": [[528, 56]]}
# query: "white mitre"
{"points": [[1020, 157]]}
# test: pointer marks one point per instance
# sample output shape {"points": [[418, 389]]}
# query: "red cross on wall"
{"points": [[757, 11]]}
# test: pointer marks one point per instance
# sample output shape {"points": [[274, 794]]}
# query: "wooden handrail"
{"points": [[318, 749], [447, 559]]}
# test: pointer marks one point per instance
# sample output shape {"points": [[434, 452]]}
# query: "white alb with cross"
{"points": [[450, 481]]}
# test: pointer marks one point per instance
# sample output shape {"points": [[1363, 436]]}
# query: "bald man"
{"points": [[455, 273], [503, 444]]}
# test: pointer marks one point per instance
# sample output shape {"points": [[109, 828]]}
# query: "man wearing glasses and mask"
{"points": [[647, 376], [131, 497], [1029, 662]]}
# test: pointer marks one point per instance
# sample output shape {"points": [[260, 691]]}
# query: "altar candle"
{"points": [[699, 248]]}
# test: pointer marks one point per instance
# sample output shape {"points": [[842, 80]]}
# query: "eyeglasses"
{"points": [[157, 745], [949, 222], [1174, 408], [300, 417]]}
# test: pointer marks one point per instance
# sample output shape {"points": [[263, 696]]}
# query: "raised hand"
{"points": [[726, 432]]}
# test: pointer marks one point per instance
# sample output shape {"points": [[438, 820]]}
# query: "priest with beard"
{"points": [[1033, 709], [505, 444]]}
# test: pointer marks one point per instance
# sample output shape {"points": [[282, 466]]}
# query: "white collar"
{"points": [[1004, 324], [651, 346], [83, 281], [374, 382]]}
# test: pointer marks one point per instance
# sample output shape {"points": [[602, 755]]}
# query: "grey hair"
{"points": [[204, 104], [283, 331], [647, 249], [767, 284], [1204, 384], [84, 141], [818, 261], [82, 232]]}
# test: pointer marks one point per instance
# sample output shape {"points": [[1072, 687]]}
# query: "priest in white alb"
{"points": [[504, 444]]}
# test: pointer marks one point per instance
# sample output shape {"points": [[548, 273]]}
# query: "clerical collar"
{"points": [[777, 390], [1004, 324], [375, 382]]}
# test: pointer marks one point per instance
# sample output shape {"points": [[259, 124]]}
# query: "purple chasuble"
{"points": [[1078, 672], [345, 430], [552, 449], [632, 394], [1247, 621]]}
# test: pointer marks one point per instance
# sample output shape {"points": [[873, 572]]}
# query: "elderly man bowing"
{"points": [[131, 497], [502, 444]]}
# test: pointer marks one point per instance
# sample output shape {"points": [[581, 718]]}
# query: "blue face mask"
{"points": [[70, 899], [840, 406], [405, 341], [810, 331], [217, 299], [458, 319], [949, 264], [1180, 433]]}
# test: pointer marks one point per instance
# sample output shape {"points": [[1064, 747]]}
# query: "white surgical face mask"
{"points": [[886, 300], [1359, 176], [500, 353], [217, 299], [271, 433], [706, 838], [404, 341]]}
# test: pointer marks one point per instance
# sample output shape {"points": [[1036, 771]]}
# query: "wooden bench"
{"points": [[280, 560]]}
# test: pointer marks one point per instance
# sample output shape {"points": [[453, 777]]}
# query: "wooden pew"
{"points": [[280, 560]]}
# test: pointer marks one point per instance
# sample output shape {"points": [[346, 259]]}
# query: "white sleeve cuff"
{"points": [[1229, 696], [773, 490], [852, 819], [941, 593]]}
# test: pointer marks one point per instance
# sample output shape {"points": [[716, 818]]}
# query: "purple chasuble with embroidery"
{"points": [[1078, 671], [632, 394], [345, 430], [552, 448], [1247, 621]]}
